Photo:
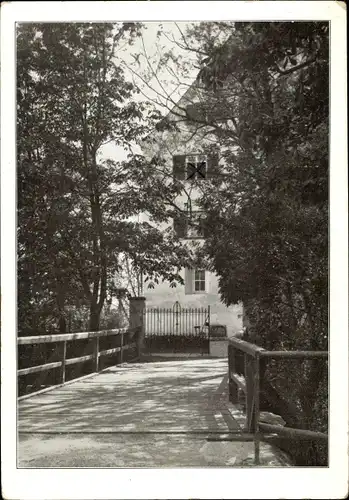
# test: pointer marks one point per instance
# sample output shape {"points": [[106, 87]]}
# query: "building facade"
{"points": [[192, 157]]}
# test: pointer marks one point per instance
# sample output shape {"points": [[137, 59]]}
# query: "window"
{"points": [[199, 280], [190, 225], [196, 281], [196, 167], [195, 227]]}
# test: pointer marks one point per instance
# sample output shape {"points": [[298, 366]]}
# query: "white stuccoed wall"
{"points": [[164, 296], [185, 142]]}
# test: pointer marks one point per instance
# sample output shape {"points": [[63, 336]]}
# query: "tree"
{"points": [[75, 207], [274, 205], [261, 96], [275, 198]]}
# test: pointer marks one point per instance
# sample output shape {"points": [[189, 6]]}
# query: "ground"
{"points": [[160, 414]]}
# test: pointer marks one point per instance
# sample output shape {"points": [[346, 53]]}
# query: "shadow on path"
{"points": [[138, 415]]}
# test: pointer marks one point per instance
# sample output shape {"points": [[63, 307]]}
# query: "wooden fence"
{"points": [[253, 357], [64, 348]]}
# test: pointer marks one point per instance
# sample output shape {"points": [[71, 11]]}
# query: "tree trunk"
{"points": [[60, 298], [62, 324], [95, 314]]}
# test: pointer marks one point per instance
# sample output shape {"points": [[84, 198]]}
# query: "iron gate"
{"points": [[177, 329]]}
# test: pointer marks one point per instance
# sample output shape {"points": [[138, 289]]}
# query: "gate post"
{"points": [[137, 313]]}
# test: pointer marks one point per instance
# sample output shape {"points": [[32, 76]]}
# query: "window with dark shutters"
{"points": [[179, 167], [196, 167], [212, 168]]}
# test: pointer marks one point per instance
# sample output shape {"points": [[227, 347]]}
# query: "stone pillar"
{"points": [[137, 316]]}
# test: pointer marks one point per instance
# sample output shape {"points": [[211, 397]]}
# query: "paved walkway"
{"points": [[161, 414]]}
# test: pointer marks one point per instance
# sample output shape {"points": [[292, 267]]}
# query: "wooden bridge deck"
{"points": [[136, 415]]}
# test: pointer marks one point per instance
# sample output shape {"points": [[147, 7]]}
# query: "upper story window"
{"points": [[195, 226], [190, 224], [196, 167]]}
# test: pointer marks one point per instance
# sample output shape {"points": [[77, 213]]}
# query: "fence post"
{"points": [[64, 354], [137, 313], [233, 388], [256, 389], [121, 346], [97, 354], [249, 378], [207, 323]]}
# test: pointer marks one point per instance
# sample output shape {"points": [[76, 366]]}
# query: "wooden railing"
{"points": [[253, 358], [127, 340]]}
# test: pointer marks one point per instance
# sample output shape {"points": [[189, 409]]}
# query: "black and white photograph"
{"points": [[172, 242]]}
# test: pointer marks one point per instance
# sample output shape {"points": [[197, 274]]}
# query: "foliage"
{"points": [[77, 209], [269, 244], [273, 200], [262, 96]]}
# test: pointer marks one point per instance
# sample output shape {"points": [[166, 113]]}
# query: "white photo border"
{"points": [[61, 484]]}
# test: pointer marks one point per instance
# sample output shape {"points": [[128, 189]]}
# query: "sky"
{"points": [[163, 82]]}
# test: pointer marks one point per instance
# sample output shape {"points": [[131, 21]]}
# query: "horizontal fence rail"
{"points": [[63, 337], [60, 351], [247, 358]]}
